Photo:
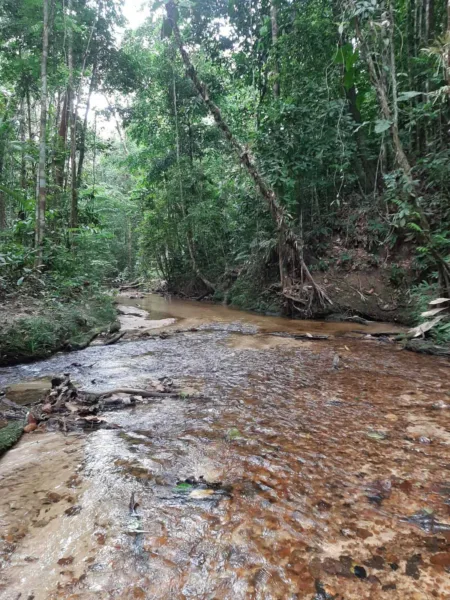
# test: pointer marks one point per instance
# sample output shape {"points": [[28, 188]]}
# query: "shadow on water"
{"points": [[294, 476]]}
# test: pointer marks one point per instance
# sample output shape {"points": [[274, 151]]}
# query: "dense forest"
{"points": [[258, 151]]}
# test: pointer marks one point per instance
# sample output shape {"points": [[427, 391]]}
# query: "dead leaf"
{"points": [[199, 494], [424, 327], [434, 311], [439, 301], [63, 562]]}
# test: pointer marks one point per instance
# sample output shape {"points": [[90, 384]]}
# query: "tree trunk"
{"points": [[60, 158], [42, 179], [2, 195], [84, 129], [2, 164], [448, 34], [73, 133], [288, 239], [23, 166], [276, 69]]}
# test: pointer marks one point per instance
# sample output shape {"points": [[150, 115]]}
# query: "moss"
{"points": [[9, 435], [56, 327]]}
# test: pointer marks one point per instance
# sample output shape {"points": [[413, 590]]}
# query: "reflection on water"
{"points": [[292, 478], [198, 313]]}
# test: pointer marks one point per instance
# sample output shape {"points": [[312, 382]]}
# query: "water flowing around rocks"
{"points": [[306, 469]]}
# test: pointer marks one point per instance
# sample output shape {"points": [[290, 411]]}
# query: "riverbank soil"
{"points": [[33, 328], [306, 469]]}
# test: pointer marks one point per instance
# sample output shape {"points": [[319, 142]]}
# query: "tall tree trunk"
{"points": [[84, 128], [73, 134], [2, 195], [448, 35], [42, 177], [2, 164], [23, 165], [276, 68], [60, 155], [289, 240]]}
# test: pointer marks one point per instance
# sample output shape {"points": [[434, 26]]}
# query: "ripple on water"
{"points": [[289, 437]]}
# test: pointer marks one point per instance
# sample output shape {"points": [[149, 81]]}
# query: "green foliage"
{"points": [[9, 435], [60, 326], [169, 196], [421, 295]]}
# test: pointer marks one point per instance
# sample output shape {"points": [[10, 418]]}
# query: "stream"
{"points": [[289, 469]]}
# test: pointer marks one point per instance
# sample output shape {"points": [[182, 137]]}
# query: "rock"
{"points": [[72, 511], [52, 498], [441, 559], [30, 427], [412, 566]]}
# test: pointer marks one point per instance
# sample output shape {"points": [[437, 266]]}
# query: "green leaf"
{"points": [[20, 281], [183, 487], [382, 125], [349, 79]]}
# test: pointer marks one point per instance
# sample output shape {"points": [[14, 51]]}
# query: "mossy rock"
{"points": [[9, 435]]}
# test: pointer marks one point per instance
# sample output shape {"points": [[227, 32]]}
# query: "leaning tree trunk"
{"points": [[42, 180], [289, 241]]}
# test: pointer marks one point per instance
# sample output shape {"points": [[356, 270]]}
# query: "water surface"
{"points": [[294, 475]]}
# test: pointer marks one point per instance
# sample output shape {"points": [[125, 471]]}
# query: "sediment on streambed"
{"points": [[38, 328]]}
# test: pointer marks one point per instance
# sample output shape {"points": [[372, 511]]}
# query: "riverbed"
{"points": [[289, 469]]}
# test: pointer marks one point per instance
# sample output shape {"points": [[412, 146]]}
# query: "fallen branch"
{"points": [[131, 286], [114, 339], [131, 392], [300, 336], [84, 344]]}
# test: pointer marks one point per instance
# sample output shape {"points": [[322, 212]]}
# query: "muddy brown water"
{"points": [[299, 480]]}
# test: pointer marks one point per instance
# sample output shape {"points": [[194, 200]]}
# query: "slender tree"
{"points": [[42, 176], [73, 129]]}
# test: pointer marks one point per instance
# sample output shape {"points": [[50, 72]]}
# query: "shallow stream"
{"points": [[290, 469]]}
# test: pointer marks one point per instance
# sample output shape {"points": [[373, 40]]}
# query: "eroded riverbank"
{"points": [[333, 471]]}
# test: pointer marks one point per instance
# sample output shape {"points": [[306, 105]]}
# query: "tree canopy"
{"points": [[247, 141]]}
